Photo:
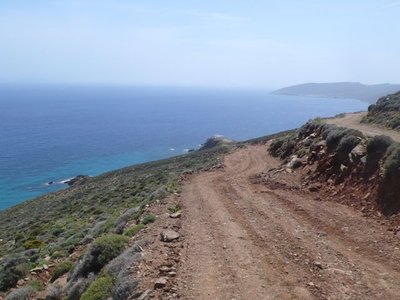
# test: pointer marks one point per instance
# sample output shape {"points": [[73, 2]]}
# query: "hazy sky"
{"points": [[240, 43]]}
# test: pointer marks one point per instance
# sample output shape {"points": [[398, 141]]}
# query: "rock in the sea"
{"points": [[169, 235]]}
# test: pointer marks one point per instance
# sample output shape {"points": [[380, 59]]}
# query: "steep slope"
{"points": [[385, 112], [350, 90]]}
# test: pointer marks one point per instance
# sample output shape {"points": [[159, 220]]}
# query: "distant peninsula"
{"points": [[350, 90]]}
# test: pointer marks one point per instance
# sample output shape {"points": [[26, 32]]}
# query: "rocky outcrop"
{"points": [[344, 164], [214, 141], [77, 180]]}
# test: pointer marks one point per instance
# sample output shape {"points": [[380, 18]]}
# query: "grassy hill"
{"points": [[350, 90], [385, 112], [104, 211]]}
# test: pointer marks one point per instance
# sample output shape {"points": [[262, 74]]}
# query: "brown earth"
{"points": [[241, 240], [352, 120]]}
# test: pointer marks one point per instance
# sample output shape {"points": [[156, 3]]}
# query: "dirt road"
{"points": [[352, 120], [247, 241]]}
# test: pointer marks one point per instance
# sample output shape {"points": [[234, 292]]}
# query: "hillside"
{"points": [[348, 90], [385, 112], [48, 234], [303, 214]]}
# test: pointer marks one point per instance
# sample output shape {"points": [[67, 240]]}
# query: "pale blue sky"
{"points": [[227, 43]]}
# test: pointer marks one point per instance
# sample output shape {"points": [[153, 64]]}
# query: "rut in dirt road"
{"points": [[246, 241]]}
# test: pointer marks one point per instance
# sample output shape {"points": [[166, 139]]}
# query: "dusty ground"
{"points": [[352, 120], [241, 240]]}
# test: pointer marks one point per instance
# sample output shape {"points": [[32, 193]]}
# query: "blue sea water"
{"points": [[51, 133]]}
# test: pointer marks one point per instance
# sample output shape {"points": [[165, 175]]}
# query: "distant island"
{"points": [[350, 90]]}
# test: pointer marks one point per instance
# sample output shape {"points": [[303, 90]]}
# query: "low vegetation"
{"points": [[378, 145], [392, 163], [36, 285], [24, 293], [133, 230], [103, 213], [61, 269], [98, 218], [54, 292], [385, 112], [150, 218], [100, 289], [337, 139], [174, 209]]}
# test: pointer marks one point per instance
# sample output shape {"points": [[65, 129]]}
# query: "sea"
{"points": [[49, 133]]}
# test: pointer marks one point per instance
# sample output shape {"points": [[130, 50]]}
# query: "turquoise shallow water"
{"points": [[51, 133]]}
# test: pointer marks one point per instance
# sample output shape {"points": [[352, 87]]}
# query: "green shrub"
{"points": [[33, 244], [378, 144], [347, 143], [134, 230], [58, 254], [283, 146], [150, 218], [173, 209], [341, 139], [276, 146], [172, 187], [23, 268], [10, 275], [102, 251], [54, 292], [301, 153], [8, 279], [24, 293], [100, 289], [333, 138], [76, 288], [109, 246], [61, 269], [123, 219], [392, 163], [36, 285], [137, 215]]}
